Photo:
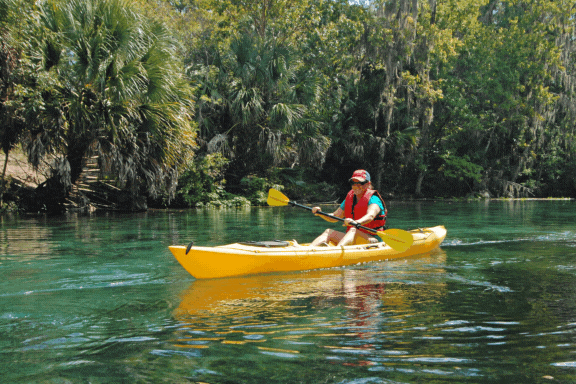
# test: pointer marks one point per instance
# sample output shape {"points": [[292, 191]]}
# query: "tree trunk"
{"points": [[3, 181], [380, 165], [419, 180], [5, 166]]}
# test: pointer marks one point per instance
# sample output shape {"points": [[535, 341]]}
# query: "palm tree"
{"points": [[258, 114], [11, 117], [120, 95]]}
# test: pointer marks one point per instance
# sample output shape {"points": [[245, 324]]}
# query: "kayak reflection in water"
{"points": [[363, 206]]}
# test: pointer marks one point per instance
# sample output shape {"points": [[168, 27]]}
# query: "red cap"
{"points": [[361, 175]]}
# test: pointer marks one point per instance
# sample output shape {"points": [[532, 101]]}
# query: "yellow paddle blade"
{"points": [[397, 239], [277, 198]]}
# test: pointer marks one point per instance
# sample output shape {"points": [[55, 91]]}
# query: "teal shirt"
{"points": [[373, 200]]}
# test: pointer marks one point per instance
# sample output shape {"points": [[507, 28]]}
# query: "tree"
{"points": [[475, 95], [388, 113], [255, 97], [10, 125], [120, 96], [503, 93], [19, 83]]}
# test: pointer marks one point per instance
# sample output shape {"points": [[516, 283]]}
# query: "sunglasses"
{"points": [[352, 182]]}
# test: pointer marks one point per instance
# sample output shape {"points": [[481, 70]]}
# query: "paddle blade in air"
{"points": [[277, 198]]}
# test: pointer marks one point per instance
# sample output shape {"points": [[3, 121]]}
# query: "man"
{"points": [[364, 206]]}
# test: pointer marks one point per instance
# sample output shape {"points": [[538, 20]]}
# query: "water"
{"points": [[100, 299]]}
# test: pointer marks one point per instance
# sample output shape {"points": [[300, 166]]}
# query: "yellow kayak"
{"points": [[277, 256]]}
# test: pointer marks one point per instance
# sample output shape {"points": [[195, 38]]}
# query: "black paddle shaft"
{"points": [[333, 217]]}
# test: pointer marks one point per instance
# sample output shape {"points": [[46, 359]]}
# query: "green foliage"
{"points": [[476, 94], [16, 79], [121, 95], [497, 91], [256, 189], [461, 168], [203, 182], [223, 200], [314, 192], [203, 185], [255, 95]]}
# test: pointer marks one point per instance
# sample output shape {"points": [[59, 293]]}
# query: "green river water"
{"points": [[100, 299]]}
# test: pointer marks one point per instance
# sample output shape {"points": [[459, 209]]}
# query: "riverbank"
{"points": [[22, 179]]}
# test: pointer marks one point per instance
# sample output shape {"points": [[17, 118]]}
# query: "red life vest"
{"points": [[356, 211]]}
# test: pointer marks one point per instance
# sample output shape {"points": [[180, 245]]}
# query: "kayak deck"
{"points": [[246, 259]]}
